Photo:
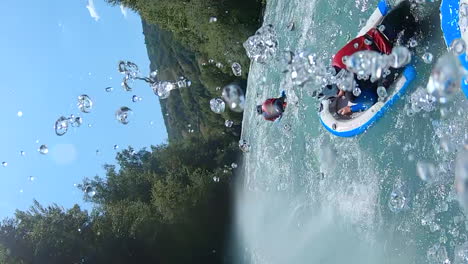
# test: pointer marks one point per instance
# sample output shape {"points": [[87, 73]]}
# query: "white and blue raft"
{"points": [[358, 122]]}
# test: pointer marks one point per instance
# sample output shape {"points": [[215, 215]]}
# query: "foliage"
{"points": [[157, 206], [189, 21], [188, 106]]}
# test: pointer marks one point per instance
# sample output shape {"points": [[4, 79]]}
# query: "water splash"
{"points": [[398, 198], [461, 178], [163, 89], [426, 171], [263, 45], [461, 254], [372, 64]]}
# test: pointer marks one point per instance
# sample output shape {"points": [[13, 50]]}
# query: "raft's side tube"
{"points": [[449, 18]]}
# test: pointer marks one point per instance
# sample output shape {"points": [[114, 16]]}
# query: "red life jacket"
{"points": [[269, 110], [379, 43]]}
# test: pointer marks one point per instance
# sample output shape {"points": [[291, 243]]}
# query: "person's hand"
{"points": [[345, 111]]}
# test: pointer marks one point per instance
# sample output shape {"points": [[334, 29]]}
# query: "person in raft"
{"points": [[272, 109], [398, 23]]}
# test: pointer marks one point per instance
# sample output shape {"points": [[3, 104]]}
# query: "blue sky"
{"points": [[52, 53]]}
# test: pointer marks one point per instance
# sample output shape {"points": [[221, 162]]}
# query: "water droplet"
{"points": [[382, 92], [427, 57], [31, 178], [398, 199], [217, 105], [213, 19], [261, 46], [368, 42], [4, 163], [356, 45], [356, 91], [362, 22], [109, 89], [163, 89], [287, 56], [458, 47], [129, 68], [125, 85], [236, 69], [89, 191], [61, 126], [122, 115], [381, 28], [445, 78], [426, 171], [76, 121], [234, 97], [98, 152], [234, 165], [216, 179], [461, 254], [413, 43], [22, 153], [400, 57], [116, 147], [153, 74], [43, 149], [437, 254], [244, 145], [135, 98], [421, 100], [461, 178], [228, 123], [290, 26], [85, 104], [20, 113]]}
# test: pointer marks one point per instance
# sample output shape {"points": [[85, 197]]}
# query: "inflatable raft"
{"points": [[357, 123]]}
